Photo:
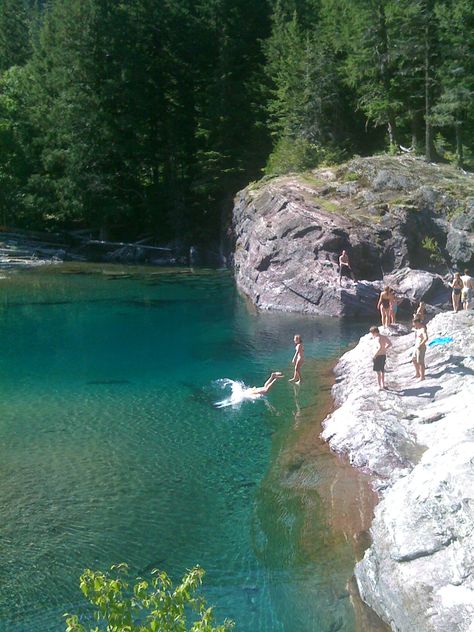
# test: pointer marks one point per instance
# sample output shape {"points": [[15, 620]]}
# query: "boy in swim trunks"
{"points": [[421, 338], [345, 267], [382, 343]]}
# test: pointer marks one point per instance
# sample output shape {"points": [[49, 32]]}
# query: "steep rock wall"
{"points": [[391, 214]]}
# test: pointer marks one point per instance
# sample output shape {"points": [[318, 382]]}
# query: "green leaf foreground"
{"points": [[154, 605]]}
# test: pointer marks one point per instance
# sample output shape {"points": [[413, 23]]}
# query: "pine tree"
{"points": [[17, 149], [362, 33], [455, 107], [306, 105], [14, 33], [231, 141]]}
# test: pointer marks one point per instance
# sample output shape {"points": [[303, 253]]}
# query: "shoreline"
{"points": [[366, 619], [416, 441], [346, 493]]}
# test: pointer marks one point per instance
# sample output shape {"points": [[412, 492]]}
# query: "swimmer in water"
{"points": [[263, 390], [298, 359]]}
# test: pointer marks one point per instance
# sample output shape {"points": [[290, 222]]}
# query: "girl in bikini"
{"points": [[384, 306], [298, 359], [456, 285]]}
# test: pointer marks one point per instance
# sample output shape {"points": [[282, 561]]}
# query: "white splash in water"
{"points": [[238, 393]]}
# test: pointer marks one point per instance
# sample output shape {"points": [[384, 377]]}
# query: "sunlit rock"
{"points": [[417, 438]]}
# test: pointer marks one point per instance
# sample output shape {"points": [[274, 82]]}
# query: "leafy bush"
{"points": [[299, 154], [431, 246], [147, 606], [292, 155], [350, 176]]}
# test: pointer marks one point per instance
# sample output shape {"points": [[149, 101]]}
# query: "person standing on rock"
{"points": [[421, 338], [456, 285], [345, 267], [467, 287], [393, 307], [298, 359], [382, 343], [420, 312], [384, 306]]}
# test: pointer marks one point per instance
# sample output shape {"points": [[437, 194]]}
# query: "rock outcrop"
{"points": [[390, 214], [417, 438]]}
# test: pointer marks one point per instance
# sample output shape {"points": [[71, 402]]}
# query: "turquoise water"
{"points": [[113, 451]]}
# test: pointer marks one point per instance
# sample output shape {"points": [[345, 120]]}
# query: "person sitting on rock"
{"points": [[456, 285], [384, 306], [467, 287], [380, 355], [345, 267]]}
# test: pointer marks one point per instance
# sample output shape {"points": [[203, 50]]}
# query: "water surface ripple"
{"points": [[112, 449]]}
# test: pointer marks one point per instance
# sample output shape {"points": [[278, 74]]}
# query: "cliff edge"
{"points": [[404, 222], [417, 438]]}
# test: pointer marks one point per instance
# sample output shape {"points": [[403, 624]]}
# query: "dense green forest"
{"points": [[146, 116]]}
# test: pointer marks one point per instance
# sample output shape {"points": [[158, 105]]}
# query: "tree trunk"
{"points": [[459, 150], [384, 75], [416, 129], [429, 145], [392, 133]]}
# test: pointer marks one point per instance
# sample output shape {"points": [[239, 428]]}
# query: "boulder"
{"points": [[419, 285]]}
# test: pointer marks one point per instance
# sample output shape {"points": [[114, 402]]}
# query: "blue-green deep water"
{"points": [[112, 450]]}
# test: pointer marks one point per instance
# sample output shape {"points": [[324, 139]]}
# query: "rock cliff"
{"points": [[404, 222], [417, 438]]}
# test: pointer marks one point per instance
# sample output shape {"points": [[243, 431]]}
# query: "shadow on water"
{"points": [[313, 512]]}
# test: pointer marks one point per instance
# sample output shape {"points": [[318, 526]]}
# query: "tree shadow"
{"points": [[455, 366], [421, 391]]}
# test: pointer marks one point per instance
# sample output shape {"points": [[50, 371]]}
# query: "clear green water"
{"points": [[111, 449]]}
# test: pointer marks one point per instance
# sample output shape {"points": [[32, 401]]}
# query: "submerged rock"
{"points": [[417, 438], [390, 214]]}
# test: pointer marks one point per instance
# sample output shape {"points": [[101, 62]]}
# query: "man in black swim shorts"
{"points": [[382, 343], [345, 267]]}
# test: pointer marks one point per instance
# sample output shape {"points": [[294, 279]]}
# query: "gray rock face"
{"points": [[418, 440], [460, 242], [388, 213]]}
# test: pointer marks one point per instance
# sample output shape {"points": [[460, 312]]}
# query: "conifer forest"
{"points": [[147, 116]]}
